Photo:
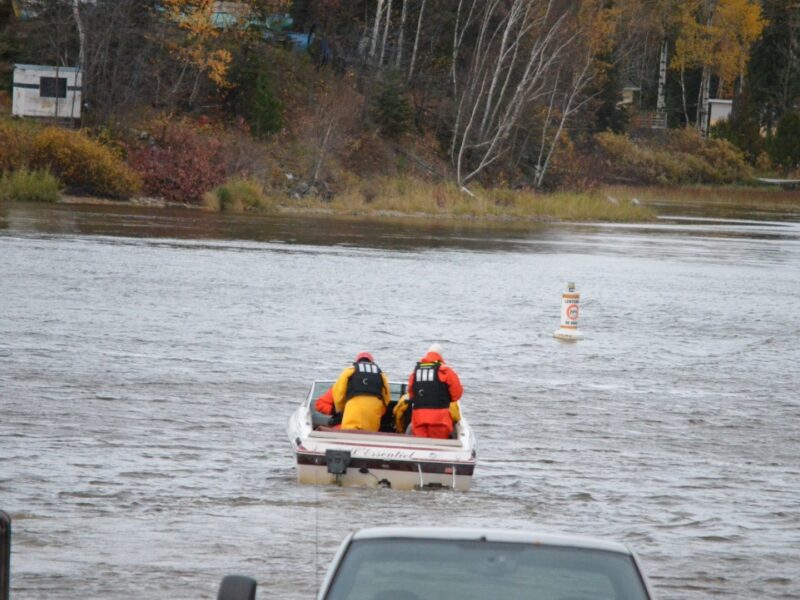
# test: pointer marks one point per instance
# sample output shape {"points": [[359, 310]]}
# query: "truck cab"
{"points": [[418, 563]]}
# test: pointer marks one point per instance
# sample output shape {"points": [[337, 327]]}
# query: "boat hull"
{"points": [[399, 480], [374, 459], [397, 474]]}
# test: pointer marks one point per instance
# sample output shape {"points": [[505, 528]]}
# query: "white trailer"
{"points": [[43, 91]]}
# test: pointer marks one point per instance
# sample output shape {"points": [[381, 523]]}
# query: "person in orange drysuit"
{"points": [[324, 404], [362, 394], [433, 388]]}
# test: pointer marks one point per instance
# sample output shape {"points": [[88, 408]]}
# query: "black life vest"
{"points": [[366, 380], [428, 390]]}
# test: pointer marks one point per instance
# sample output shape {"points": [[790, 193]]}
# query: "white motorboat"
{"points": [[326, 455]]}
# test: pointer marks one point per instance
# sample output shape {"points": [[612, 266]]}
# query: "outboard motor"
{"points": [[237, 587], [5, 555]]}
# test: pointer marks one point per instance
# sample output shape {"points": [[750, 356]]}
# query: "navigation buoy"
{"points": [[570, 309]]}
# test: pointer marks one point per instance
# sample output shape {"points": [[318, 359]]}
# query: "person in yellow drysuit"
{"points": [[362, 394]]}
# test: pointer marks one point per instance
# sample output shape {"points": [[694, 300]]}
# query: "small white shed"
{"points": [[718, 110], [629, 93], [42, 91]]}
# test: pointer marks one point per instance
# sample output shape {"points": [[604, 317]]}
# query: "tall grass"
{"points": [[29, 186], [237, 195], [747, 197], [405, 196]]}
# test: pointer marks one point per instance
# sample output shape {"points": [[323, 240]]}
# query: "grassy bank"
{"points": [[741, 197], [404, 196], [239, 174], [413, 197], [389, 198], [29, 186]]}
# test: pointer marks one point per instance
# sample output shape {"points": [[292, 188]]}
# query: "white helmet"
{"points": [[436, 348]]}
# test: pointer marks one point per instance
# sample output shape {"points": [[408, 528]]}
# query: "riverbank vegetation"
{"points": [[750, 198], [405, 196], [677, 157], [397, 196], [76, 160], [511, 109], [29, 186], [238, 195]]}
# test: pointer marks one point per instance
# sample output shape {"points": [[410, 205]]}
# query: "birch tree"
{"points": [[593, 35], [336, 112], [398, 57], [661, 100], [376, 29], [522, 54], [485, 116], [385, 31], [691, 46], [76, 13], [705, 79], [464, 19], [416, 41]]}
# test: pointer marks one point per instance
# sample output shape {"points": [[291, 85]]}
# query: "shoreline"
{"points": [[647, 198], [312, 212], [323, 211]]}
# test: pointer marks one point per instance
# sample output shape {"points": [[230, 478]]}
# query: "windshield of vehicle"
{"points": [[420, 569]]}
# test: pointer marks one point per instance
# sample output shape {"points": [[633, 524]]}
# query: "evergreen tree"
{"points": [[253, 94], [774, 68], [610, 114], [391, 109], [742, 129], [785, 146]]}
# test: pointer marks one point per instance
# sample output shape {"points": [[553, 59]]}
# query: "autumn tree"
{"points": [[715, 36], [737, 25], [692, 45], [197, 50]]}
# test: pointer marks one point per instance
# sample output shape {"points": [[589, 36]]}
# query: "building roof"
{"points": [[47, 68]]}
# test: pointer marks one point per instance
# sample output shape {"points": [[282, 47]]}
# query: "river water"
{"points": [[149, 361]]}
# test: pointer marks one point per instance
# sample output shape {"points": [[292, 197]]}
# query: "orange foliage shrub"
{"points": [[15, 145], [82, 163], [679, 157]]}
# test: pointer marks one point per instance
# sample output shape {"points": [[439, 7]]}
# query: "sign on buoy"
{"points": [[570, 309]]}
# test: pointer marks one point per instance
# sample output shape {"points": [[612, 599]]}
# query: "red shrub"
{"points": [[181, 164]]}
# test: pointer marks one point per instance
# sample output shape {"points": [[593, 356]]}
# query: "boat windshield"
{"points": [[421, 569]]}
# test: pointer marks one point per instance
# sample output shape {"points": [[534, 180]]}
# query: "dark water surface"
{"points": [[149, 361]]}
